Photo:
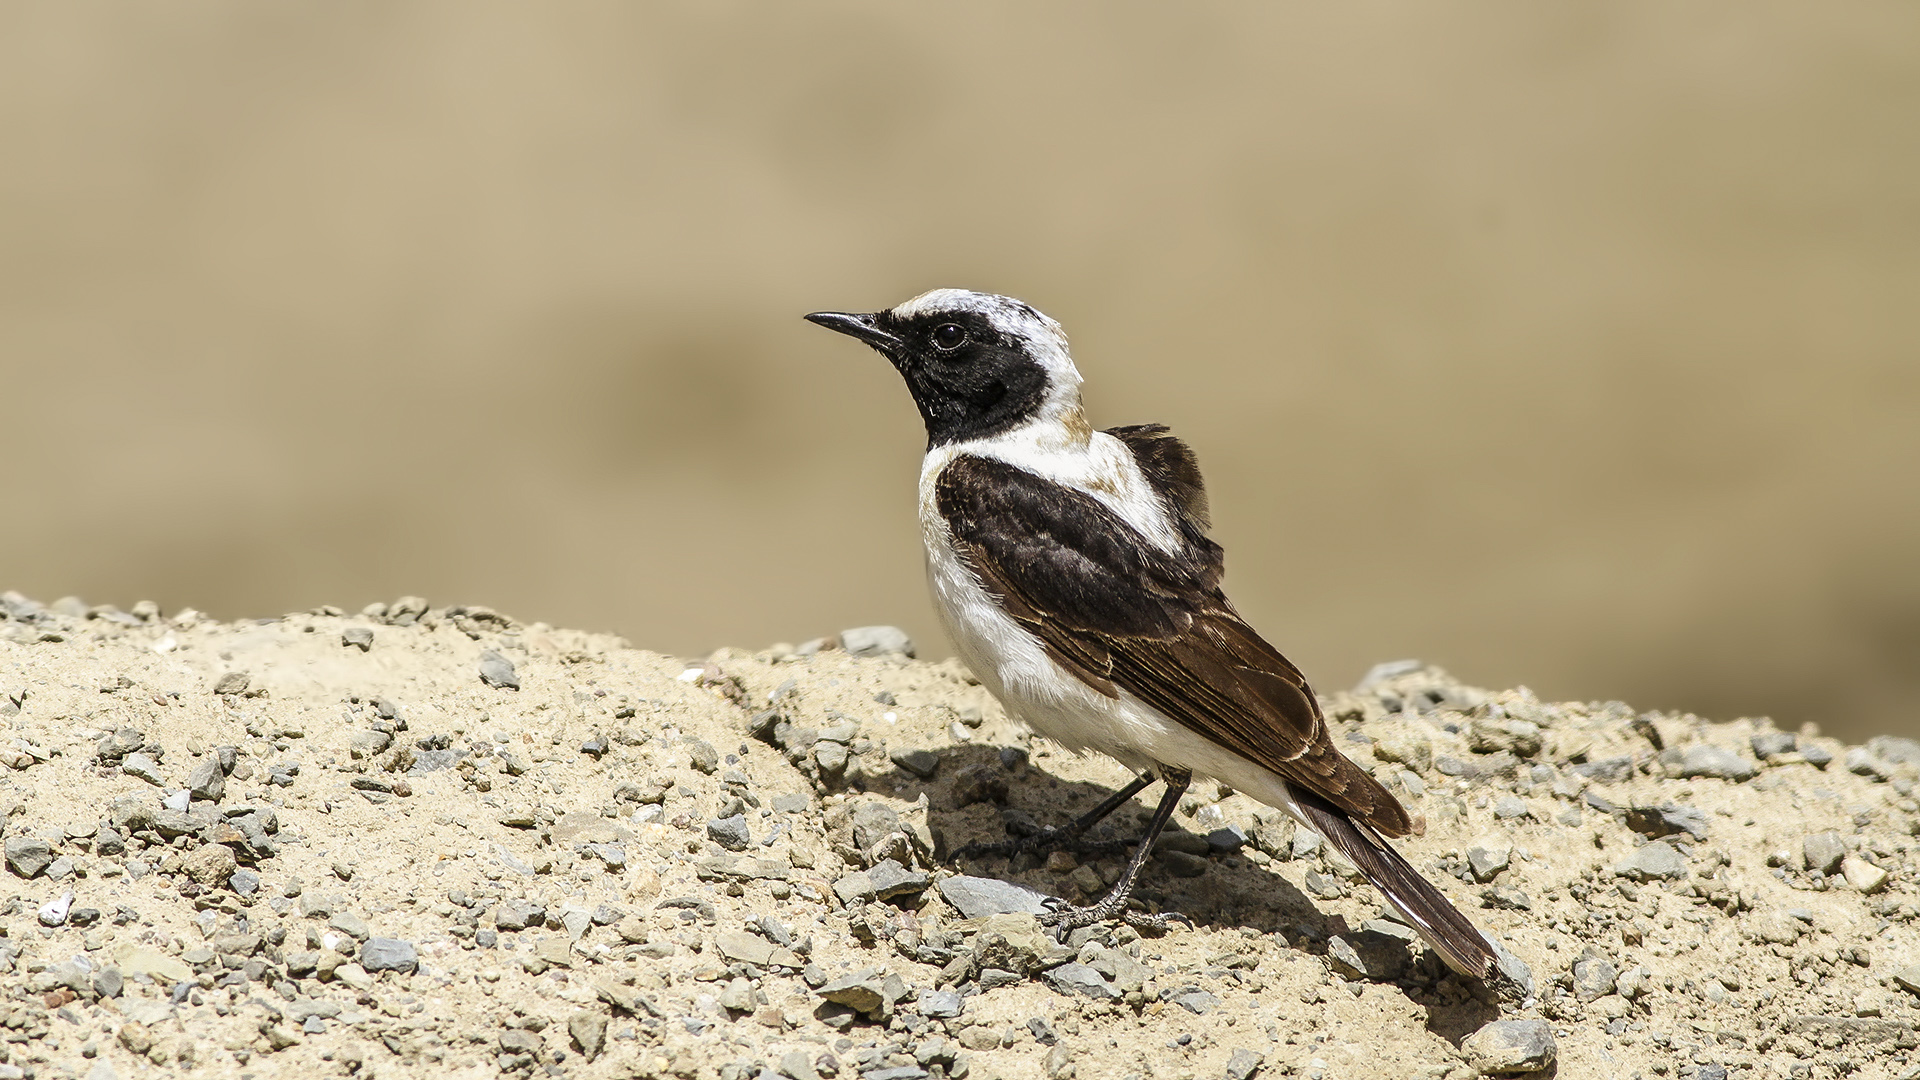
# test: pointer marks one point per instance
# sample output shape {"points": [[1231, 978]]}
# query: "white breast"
{"points": [[1014, 665]]}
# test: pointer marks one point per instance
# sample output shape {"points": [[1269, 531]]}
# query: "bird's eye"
{"points": [[949, 335]]}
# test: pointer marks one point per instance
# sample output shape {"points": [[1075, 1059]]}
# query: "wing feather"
{"points": [[1119, 613]]}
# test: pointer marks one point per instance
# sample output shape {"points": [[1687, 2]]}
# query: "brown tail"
{"points": [[1450, 933]]}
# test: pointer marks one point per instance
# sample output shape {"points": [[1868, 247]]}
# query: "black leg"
{"points": [[1114, 906], [1060, 836]]}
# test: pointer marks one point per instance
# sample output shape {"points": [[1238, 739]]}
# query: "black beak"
{"points": [[864, 327]]}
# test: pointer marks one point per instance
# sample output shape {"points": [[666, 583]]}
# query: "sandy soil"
{"points": [[336, 844]]}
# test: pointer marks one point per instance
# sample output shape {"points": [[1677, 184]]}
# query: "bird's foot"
{"points": [[1065, 917]]}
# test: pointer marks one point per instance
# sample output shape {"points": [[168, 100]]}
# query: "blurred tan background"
{"points": [[1570, 345]]}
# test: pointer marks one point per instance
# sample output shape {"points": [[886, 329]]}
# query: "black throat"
{"points": [[986, 384]]}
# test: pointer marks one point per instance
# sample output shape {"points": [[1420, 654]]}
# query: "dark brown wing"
{"points": [[1118, 612], [1169, 466]]}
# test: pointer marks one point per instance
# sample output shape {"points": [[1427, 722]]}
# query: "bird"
{"points": [[1072, 570]]}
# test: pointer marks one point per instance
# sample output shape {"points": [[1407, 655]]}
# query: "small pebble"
{"points": [[730, 833], [1510, 1046], [921, 763], [388, 954], [1823, 851], [876, 641], [1657, 859], [54, 912], [1488, 856]]}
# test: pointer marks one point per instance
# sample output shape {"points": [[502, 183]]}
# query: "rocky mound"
{"points": [[434, 841]]}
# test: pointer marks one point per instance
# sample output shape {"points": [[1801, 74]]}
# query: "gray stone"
{"points": [[1511, 970], [172, 823], [1081, 980], [995, 978], [1488, 856], [876, 641], [1666, 820], [1510, 807], [796, 1065], [941, 1004], [753, 949], [701, 755], [1227, 839], [519, 914], [1323, 886], [865, 991], [1607, 770], [233, 682], [1306, 843], [770, 928], [921, 763], [206, 782], [351, 925], [831, 757], [1594, 978], [588, 1030], [1197, 1002], [854, 888], [730, 833], [109, 983], [842, 732], [28, 856], [142, 767], [1861, 762], [1772, 744], [1491, 735], [356, 637], [1823, 851], [1243, 1064], [1657, 859], [120, 743], [520, 1041], [1712, 761], [1510, 1046], [1507, 897], [1378, 952], [613, 855], [497, 671], [889, 879], [977, 897], [1816, 755], [1908, 978], [389, 954], [1895, 749]]}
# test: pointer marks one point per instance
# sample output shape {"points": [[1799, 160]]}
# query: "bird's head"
{"points": [[977, 364]]}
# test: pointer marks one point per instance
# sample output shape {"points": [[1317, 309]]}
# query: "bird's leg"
{"points": [[1062, 835], [1114, 906]]}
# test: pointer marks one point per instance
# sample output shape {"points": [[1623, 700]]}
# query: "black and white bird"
{"points": [[1072, 570]]}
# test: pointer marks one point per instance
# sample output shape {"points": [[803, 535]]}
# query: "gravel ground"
{"points": [[436, 841]]}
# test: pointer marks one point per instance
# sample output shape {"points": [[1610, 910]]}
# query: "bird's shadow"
{"points": [[1232, 893]]}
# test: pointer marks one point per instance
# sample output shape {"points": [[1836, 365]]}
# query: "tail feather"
{"points": [[1451, 934]]}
